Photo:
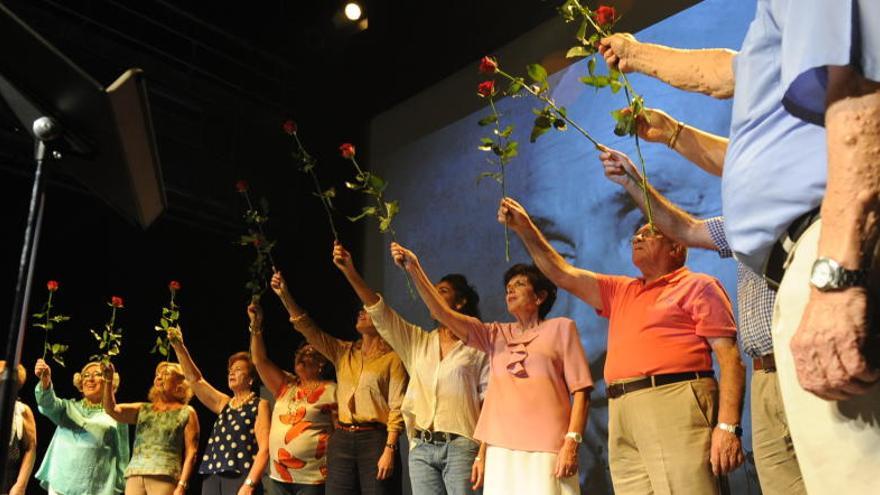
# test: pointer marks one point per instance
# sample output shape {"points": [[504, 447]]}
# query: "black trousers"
{"points": [[225, 484], [352, 458]]}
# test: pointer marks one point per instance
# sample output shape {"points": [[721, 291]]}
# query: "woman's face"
{"points": [[521, 298], [307, 364], [238, 376], [167, 381], [364, 324], [92, 383], [447, 292]]}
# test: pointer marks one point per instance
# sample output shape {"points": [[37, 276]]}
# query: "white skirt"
{"points": [[512, 472]]}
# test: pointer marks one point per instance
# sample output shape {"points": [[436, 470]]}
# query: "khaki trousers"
{"points": [[659, 439], [150, 485], [778, 469], [837, 442]]}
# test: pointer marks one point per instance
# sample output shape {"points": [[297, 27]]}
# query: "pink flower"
{"points": [[605, 15], [346, 150], [116, 302], [486, 89], [241, 186], [174, 285], [52, 285], [488, 65], [289, 127]]}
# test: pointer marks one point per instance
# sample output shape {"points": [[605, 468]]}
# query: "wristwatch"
{"points": [[249, 482], [577, 437], [828, 275], [729, 428]]}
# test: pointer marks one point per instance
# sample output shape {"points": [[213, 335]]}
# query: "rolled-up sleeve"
{"points": [[401, 335], [331, 347]]}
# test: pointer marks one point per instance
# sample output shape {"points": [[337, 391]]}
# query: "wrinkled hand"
{"points": [[567, 460], [618, 167], [385, 464], [255, 313], [513, 214], [830, 344], [478, 472], [726, 453], [617, 49], [402, 256], [341, 257], [655, 125], [42, 370]]}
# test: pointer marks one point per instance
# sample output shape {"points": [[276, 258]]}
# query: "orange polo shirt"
{"points": [[661, 327]]}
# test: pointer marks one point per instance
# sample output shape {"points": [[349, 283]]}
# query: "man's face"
{"points": [[650, 248]]}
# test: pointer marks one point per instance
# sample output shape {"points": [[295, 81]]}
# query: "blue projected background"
{"points": [[449, 220]]}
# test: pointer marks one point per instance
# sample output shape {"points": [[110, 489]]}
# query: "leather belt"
{"points": [[435, 436], [775, 267], [616, 390], [766, 362], [360, 426]]}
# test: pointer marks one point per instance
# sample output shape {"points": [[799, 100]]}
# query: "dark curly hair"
{"points": [[464, 292], [539, 282]]}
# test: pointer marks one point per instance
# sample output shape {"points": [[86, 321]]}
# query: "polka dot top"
{"points": [[232, 444]]}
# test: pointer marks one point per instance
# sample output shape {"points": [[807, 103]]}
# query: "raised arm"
{"points": [[582, 283], [212, 398], [672, 220], [458, 323], [270, 374], [708, 71], [704, 149], [190, 451], [342, 260], [330, 347], [122, 413]]}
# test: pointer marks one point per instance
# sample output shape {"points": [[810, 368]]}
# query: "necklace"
{"points": [[90, 406], [247, 398]]}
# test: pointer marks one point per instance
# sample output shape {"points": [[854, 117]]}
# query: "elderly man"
{"points": [[663, 436], [806, 109]]}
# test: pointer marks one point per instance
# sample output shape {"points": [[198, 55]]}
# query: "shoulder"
{"points": [[700, 281]]}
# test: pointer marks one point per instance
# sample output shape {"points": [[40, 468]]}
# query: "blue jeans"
{"points": [[437, 468]]}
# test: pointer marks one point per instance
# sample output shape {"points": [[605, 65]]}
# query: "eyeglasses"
{"points": [[94, 374]]}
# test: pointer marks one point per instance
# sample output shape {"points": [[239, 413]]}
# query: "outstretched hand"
{"points": [[255, 314], [341, 257], [618, 167], [402, 256], [513, 214], [617, 50]]}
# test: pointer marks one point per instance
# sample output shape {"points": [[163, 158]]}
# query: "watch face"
{"points": [[823, 274]]}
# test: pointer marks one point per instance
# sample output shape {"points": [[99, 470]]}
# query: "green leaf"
{"points": [[377, 183], [39, 315], [486, 141], [515, 86], [392, 208], [537, 131], [615, 85], [366, 211], [164, 323], [577, 51], [175, 315], [582, 31], [591, 66], [353, 186], [330, 193], [41, 325], [537, 72], [489, 119], [496, 176], [506, 132]]}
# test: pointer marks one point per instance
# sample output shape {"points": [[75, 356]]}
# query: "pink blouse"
{"points": [[531, 378]]}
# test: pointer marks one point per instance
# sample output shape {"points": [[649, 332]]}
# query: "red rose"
{"points": [[289, 127], [488, 65], [241, 186], [347, 150], [52, 285], [116, 302], [486, 89], [605, 15], [174, 285]]}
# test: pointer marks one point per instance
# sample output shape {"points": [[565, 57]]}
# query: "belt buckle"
{"points": [[428, 436]]}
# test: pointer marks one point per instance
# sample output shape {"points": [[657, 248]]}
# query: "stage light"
{"points": [[353, 11]]}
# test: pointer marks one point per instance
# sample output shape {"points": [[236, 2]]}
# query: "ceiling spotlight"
{"points": [[353, 11]]}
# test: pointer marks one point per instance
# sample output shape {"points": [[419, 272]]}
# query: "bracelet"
{"points": [[183, 484], [298, 318], [392, 446], [675, 134], [478, 459], [254, 331]]}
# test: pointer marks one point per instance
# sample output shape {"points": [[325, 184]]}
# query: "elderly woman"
{"points": [[22, 448], [167, 434], [446, 387], [539, 382], [363, 449], [238, 448], [302, 419], [89, 450]]}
